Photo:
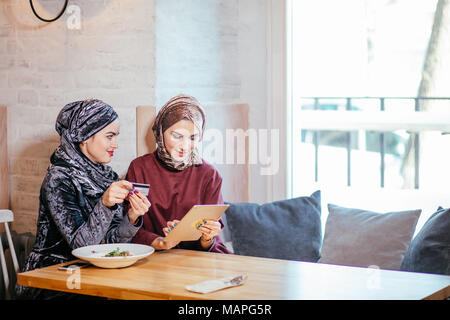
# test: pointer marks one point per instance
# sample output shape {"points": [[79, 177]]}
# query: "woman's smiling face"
{"points": [[100, 147], [180, 139]]}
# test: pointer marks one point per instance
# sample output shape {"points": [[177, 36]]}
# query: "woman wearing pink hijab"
{"points": [[179, 178]]}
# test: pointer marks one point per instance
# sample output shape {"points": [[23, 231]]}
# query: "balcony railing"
{"points": [[313, 117]]}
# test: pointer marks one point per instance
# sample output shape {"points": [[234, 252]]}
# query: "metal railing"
{"points": [[414, 136]]}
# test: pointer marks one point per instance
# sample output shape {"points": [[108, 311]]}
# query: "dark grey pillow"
{"points": [[287, 229], [363, 238], [429, 251]]}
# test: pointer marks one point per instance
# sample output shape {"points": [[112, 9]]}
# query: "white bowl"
{"points": [[95, 254]]}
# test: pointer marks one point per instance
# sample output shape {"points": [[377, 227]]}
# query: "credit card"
{"points": [[141, 187]]}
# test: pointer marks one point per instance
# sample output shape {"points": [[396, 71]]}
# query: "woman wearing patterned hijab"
{"points": [[81, 198], [179, 178]]}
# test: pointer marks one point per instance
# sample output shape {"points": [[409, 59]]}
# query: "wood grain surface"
{"points": [[164, 275]]}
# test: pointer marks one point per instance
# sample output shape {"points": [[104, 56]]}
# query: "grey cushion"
{"points": [[429, 251], [288, 229], [362, 238]]}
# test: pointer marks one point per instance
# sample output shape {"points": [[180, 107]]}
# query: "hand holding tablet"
{"points": [[200, 220], [209, 229]]}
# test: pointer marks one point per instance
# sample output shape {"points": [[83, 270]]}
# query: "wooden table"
{"points": [[164, 275]]}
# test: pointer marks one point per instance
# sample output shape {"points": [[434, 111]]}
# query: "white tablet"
{"points": [[186, 229]]}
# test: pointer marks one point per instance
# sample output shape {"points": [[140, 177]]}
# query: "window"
{"points": [[358, 116]]}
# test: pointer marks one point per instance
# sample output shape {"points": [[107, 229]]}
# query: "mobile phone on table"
{"points": [[73, 266]]}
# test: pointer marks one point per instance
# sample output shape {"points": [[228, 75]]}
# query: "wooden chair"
{"points": [[222, 117], [5, 217]]}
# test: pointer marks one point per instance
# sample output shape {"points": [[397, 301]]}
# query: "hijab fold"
{"points": [[181, 107], [77, 122]]}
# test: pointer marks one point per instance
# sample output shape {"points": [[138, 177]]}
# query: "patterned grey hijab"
{"points": [[77, 122], [176, 109]]}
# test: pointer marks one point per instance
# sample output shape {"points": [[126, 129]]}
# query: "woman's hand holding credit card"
{"points": [[139, 203]]}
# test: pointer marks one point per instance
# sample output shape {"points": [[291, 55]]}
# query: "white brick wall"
{"points": [[217, 50], [198, 41], [43, 67], [127, 53]]}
